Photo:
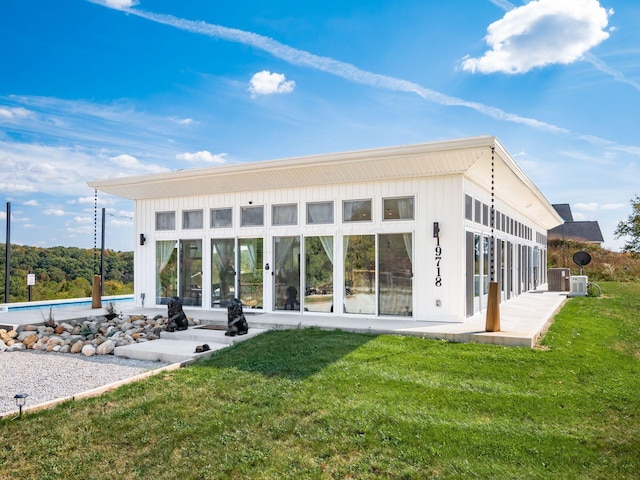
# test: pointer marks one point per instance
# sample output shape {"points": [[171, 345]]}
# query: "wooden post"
{"points": [[96, 299], [493, 308]]}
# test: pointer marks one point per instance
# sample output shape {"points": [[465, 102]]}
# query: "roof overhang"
{"points": [[469, 156]]}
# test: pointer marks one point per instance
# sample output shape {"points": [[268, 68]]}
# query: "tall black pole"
{"points": [[102, 279], [7, 276]]}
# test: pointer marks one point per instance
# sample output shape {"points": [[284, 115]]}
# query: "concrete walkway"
{"points": [[523, 320]]}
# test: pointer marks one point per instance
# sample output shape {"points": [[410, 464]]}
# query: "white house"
{"points": [[412, 231]]}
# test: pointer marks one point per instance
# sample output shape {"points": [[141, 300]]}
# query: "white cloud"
{"points": [[14, 114], [591, 207], [267, 83], [83, 219], [613, 206], [102, 200], [16, 187], [32, 203], [117, 4], [539, 33], [503, 4], [54, 211], [126, 161], [202, 156], [183, 121], [132, 163]]}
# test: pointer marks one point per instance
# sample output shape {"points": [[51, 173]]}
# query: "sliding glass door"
{"points": [[318, 278], [251, 281], [359, 274], [223, 271], [286, 253], [395, 266]]}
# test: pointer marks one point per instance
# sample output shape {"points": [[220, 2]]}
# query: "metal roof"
{"points": [[468, 156]]}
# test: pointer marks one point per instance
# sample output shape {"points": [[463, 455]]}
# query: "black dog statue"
{"points": [[177, 318], [237, 324]]}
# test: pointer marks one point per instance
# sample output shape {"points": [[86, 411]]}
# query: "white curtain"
{"points": [[320, 212], [405, 208], [283, 248], [408, 245], [285, 215], [164, 249], [327, 244]]}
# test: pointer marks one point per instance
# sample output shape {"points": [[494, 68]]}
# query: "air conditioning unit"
{"points": [[578, 285]]}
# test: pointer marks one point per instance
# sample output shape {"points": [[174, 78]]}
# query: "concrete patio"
{"points": [[522, 319]]}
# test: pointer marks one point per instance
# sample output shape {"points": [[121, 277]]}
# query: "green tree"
{"points": [[631, 228]]}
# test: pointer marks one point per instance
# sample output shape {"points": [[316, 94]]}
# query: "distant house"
{"points": [[584, 231]]}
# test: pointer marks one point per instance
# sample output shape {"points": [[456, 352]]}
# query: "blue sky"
{"points": [[106, 88]]}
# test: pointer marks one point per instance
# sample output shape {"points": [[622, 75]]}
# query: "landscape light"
{"points": [[21, 399]]}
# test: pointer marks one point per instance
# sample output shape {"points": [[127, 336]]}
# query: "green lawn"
{"points": [[316, 404]]}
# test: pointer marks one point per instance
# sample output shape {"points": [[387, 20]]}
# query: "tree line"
{"points": [[64, 272]]}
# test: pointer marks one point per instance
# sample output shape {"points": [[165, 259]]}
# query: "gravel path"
{"points": [[47, 376]]}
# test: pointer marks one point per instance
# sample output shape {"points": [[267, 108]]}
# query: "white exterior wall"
{"points": [[437, 199]]}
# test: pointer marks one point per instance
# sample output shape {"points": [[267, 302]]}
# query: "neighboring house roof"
{"points": [[470, 157], [564, 210], [587, 231]]}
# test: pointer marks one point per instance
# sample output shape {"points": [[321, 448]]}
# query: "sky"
{"points": [[93, 89]]}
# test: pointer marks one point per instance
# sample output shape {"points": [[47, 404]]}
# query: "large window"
{"points": [[468, 207], [251, 279], [284, 214], [398, 208], [179, 271], [318, 254], [286, 251], [223, 271], [356, 211], [319, 213], [395, 274], [191, 272], [360, 274], [252, 216], [192, 219], [166, 270], [165, 220], [221, 217]]}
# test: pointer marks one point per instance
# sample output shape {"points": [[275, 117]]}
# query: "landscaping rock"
{"points": [[88, 350], [92, 336], [106, 348], [77, 347]]}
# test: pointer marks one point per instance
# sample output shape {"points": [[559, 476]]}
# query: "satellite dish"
{"points": [[581, 258]]}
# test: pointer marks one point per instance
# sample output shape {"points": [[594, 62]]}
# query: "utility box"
{"points": [[578, 286], [559, 279]]}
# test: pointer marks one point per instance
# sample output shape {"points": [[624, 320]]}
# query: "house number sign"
{"points": [[438, 252]]}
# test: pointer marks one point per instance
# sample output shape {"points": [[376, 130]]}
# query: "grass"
{"points": [[328, 404]]}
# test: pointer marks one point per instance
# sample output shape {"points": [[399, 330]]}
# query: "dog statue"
{"points": [[236, 323], [177, 318]]}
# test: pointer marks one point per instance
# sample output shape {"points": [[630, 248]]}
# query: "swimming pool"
{"points": [[67, 302]]}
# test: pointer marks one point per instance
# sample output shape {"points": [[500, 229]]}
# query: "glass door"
{"points": [[191, 272], [166, 271], [223, 271], [286, 251], [318, 274], [360, 274], [250, 282], [395, 274]]}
